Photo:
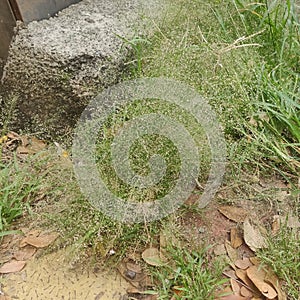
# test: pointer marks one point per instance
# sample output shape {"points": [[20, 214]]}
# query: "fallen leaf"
{"points": [[243, 263], [255, 260], [230, 273], [25, 253], [246, 293], [257, 276], [235, 238], [253, 237], [273, 279], [242, 275], [152, 257], [12, 266], [236, 214], [235, 287], [232, 253], [41, 241]]}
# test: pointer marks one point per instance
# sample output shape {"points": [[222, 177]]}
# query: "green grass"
{"points": [[244, 58], [19, 186], [191, 273], [282, 255], [275, 86], [145, 147]]}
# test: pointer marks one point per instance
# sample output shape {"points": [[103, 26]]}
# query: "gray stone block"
{"points": [[56, 65]]}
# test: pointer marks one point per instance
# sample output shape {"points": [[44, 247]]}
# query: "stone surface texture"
{"points": [[55, 66]]}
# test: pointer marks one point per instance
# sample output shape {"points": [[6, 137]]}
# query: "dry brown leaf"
{"points": [[232, 253], [41, 241], [273, 279], [255, 260], [25, 253], [236, 214], [253, 237], [246, 293], [12, 266], [230, 274], [242, 275], [152, 257], [235, 287], [236, 239], [243, 263], [257, 276]]}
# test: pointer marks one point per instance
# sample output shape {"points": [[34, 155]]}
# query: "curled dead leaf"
{"points": [[253, 237], [257, 276], [12, 266], [246, 292], [25, 253], [243, 263], [236, 214], [235, 286], [242, 275], [273, 279]]}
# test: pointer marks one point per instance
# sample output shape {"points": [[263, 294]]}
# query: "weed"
{"points": [[18, 187], [189, 275], [282, 255]]}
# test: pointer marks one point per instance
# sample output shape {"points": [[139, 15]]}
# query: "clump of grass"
{"points": [[19, 185], [282, 255], [191, 274], [146, 146], [275, 86]]}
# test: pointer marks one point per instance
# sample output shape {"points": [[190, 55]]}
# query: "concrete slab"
{"points": [[55, 66]]}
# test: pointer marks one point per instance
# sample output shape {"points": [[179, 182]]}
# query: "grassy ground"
{"points": [[244, 58]]}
